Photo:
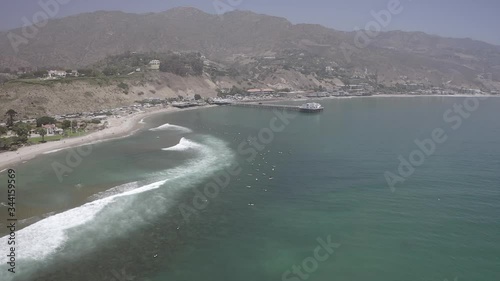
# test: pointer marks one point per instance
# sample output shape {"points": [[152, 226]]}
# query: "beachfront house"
{"points": [[52, 129]]}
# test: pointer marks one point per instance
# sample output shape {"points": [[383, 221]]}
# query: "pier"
{"points": [[280, 107]]}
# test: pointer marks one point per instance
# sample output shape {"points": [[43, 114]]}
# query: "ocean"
{"points": [[373, 188]]}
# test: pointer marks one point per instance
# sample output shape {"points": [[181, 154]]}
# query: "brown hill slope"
{"points": [[83, 39]]}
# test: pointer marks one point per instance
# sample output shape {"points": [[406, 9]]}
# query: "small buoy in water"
{"points": [[155, 256], [256, 179]]}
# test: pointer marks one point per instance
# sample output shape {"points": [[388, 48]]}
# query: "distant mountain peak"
{"points": [[81, 40], [185, 10]]}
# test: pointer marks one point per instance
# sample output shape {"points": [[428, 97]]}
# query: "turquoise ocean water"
{"points": [[199, 198]]}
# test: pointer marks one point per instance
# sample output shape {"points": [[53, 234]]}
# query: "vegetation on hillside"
{"points": [[45, 120], [231, 92], [182, 64], [11, 114]]}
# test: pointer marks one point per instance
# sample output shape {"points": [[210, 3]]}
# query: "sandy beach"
{"points": [[117, 128]]}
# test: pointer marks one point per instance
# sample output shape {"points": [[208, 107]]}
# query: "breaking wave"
{"points": [[167, 126], [55, 150], [183, 145], [112, 213]]}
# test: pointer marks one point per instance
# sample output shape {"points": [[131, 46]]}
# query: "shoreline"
{"points": [[129, 125], [404, 96], [118, 128], [274, 100]]}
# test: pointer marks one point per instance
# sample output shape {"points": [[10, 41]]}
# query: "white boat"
{"points": [[311, 107]]}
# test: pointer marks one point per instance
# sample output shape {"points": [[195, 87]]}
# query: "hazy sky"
{"points": [[477, 19]]}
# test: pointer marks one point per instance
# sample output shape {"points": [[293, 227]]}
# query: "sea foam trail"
{"points": [[73, 147], [46, 237], [54, 151], [183, 145], [167, 126], [115, 190]]}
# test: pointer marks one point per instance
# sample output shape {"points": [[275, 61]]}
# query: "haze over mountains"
{"points": [[82, 40]]}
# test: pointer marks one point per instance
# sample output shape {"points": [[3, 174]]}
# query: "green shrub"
{"points": [[123, 86]]}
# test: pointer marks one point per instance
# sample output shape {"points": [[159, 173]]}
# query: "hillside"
{"points": [[250, 49], [38, 98], [84, 39]]}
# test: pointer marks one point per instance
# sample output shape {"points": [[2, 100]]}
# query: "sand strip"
{"points": [[118, 128]]}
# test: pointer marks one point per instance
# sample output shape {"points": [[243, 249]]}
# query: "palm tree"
{"points": [[42, 132], [11, 113], [74, 126]]}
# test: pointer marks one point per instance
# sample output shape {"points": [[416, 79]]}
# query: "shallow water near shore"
{"points": [[116, 215]]}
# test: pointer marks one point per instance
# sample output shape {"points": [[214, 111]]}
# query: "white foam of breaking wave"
{"points": [[3, 171], [115, 190], [142, 121], [45, 237], [77, 146], [54, 151], [167, 126], [183, 145]]}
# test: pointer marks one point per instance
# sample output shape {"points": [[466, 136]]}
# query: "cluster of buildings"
{"points": [[57, 74], [260, 91], [420, 89], [154, 65], [51, 129]]}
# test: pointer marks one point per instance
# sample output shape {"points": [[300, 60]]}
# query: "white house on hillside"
{"points": [[154, 65], [57, 74]]}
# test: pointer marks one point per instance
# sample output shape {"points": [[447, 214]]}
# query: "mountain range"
{"points": [[395, 56]]}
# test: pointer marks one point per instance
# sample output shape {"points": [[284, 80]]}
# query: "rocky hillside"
{"points": [[242, 49], [33, 99]]}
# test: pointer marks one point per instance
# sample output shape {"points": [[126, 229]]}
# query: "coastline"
{"points": [[118, 128], [128, 125]]}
